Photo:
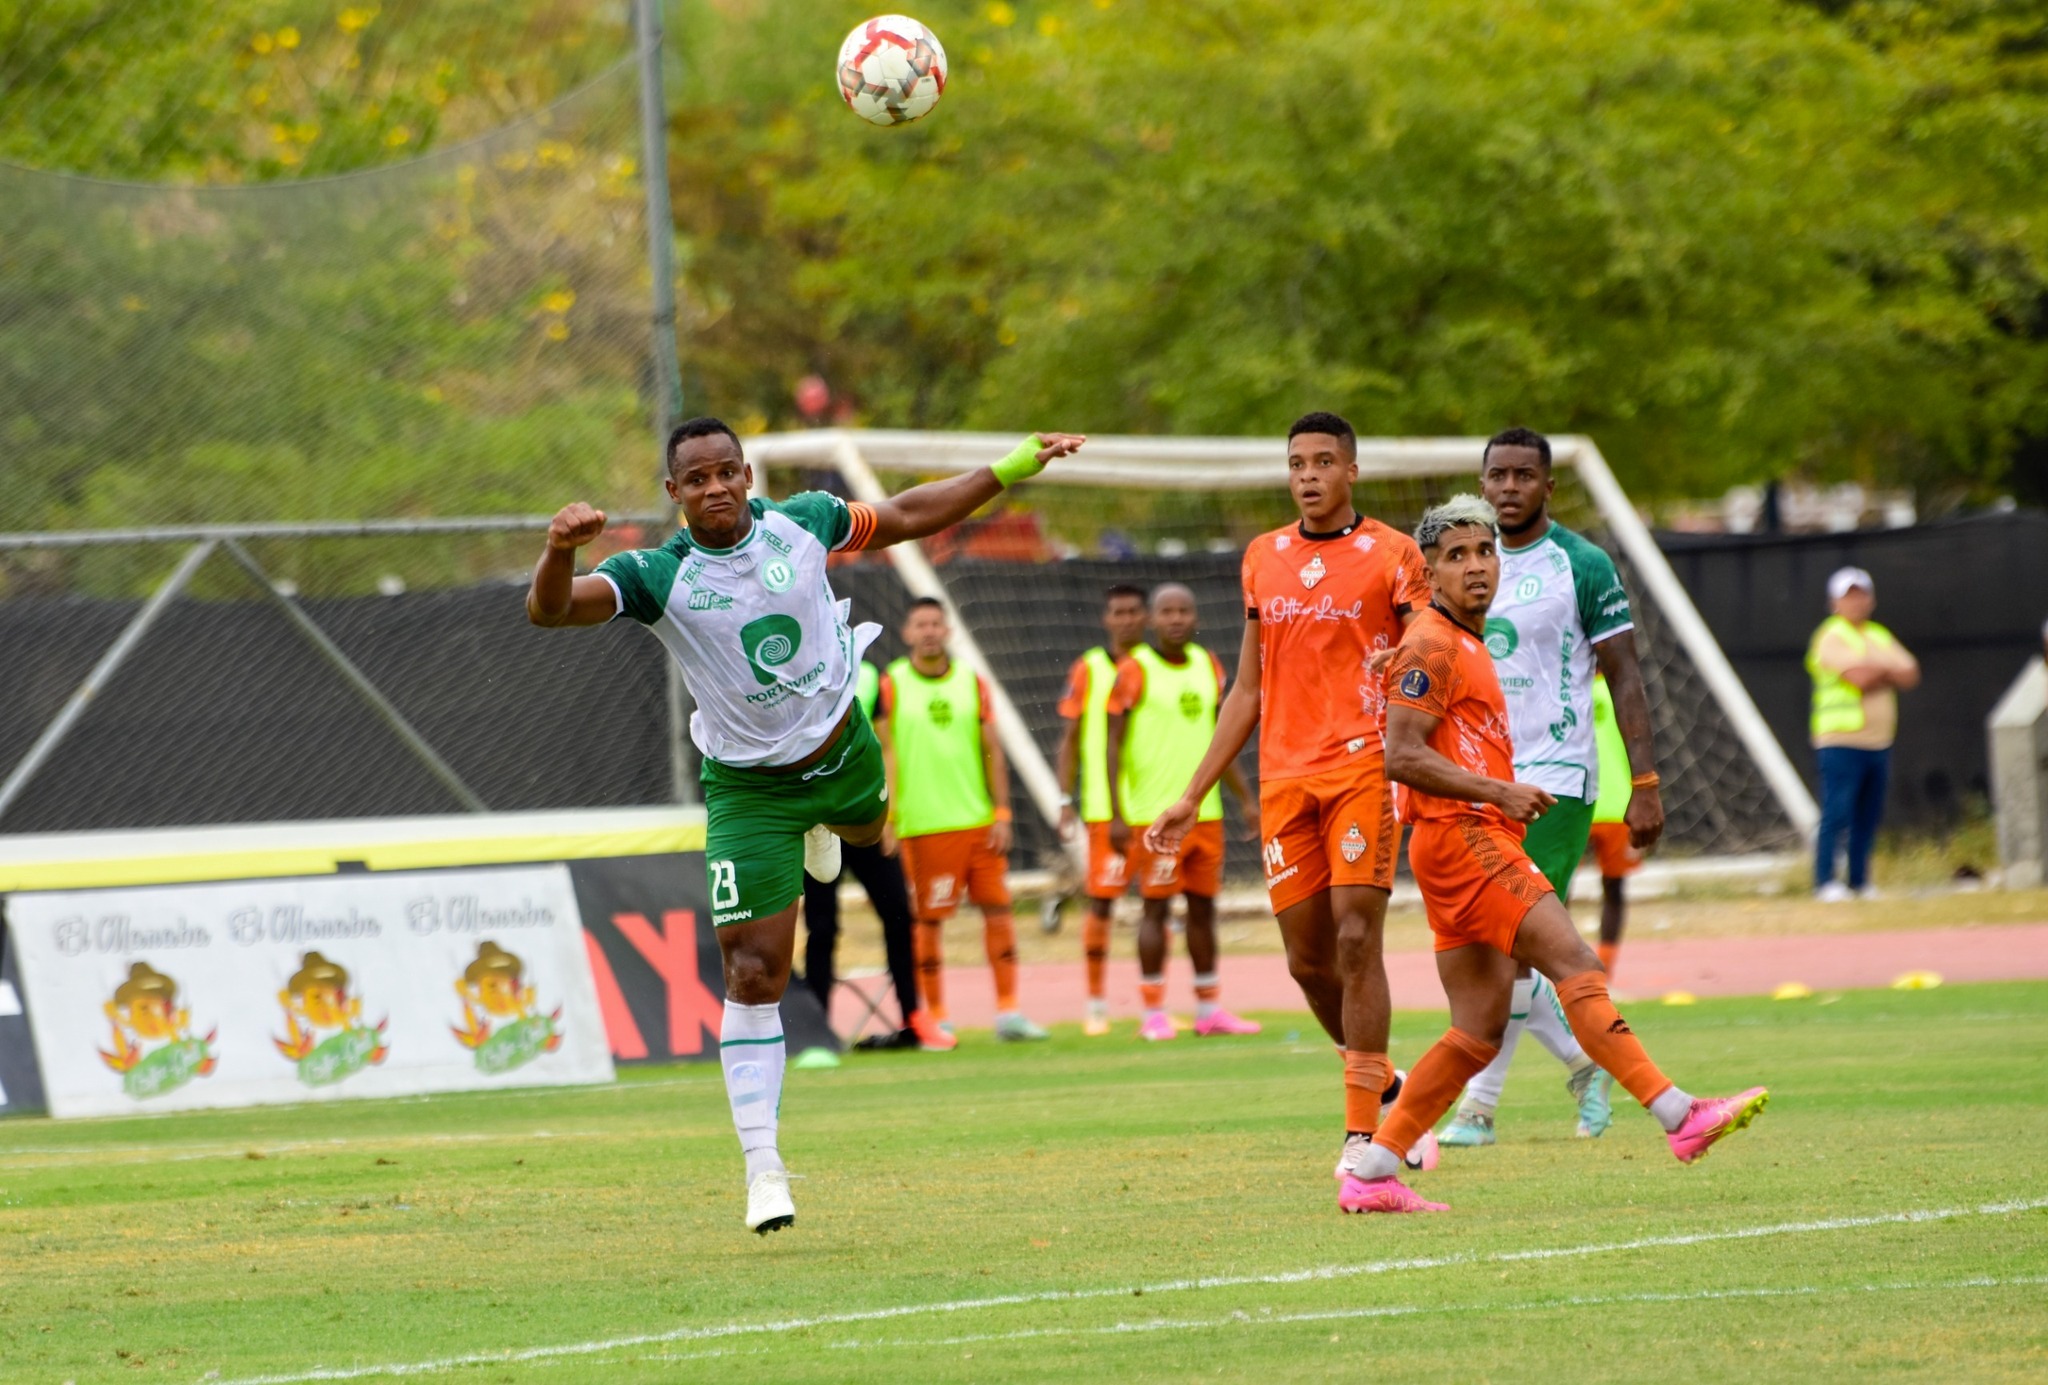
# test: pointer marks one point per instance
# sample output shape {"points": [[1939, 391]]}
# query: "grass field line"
{"points": [[158, 1154], [1322, 1272], [1266, 1317]]}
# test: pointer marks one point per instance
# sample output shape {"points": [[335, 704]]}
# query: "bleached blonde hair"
{"points": [[1455, 513]]}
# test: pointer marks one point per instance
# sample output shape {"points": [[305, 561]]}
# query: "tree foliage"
{"points": [[1731, 240]]}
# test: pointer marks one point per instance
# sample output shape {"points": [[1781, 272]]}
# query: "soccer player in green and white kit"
{"points": [[790, 764], [1559, 611]]}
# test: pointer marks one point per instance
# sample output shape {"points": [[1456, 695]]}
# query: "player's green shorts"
{"points": [[756, 820], [1557, 842]]}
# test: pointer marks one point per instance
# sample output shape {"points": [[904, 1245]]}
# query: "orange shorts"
{"points": [[1197, 868], [1476, 881], [1109, 870], [943, 866], [1332, 828], [1612, 850]]}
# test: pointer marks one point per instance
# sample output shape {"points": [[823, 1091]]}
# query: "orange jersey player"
{"points": [[1450, 750], [1321, 596], [1083, 770]]}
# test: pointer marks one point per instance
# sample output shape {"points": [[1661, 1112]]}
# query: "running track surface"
{"points": [[1053, 992]]}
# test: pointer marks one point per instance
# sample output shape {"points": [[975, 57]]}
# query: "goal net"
{"points": [[1025, 580]]}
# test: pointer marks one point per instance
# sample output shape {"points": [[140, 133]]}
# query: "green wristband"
{"points": [[1021, 465]]}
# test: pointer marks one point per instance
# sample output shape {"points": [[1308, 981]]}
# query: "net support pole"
{"points": [[1699, 642], [96, 681], [359, 682], [920, 578], [665, 376]]}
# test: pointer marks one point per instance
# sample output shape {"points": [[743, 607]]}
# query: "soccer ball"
{"points": [[892, 70]]}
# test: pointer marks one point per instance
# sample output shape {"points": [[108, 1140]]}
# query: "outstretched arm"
{"points": [[557, 596], [935, 505], [1624, 673]]}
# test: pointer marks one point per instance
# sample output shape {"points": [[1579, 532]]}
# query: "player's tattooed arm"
{"points": [[1412, 761], [1624, 673], [557, 596], [925, 510], [1236, 719]]}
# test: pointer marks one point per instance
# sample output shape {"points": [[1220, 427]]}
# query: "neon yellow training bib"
{"points": [[935, 723], [1167, 733]]}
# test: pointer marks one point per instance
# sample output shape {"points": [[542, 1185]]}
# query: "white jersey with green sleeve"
{"points": [[1558, 598], [762, 640]]}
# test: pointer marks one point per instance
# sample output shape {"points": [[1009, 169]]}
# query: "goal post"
{"points": [[1159, 505]]}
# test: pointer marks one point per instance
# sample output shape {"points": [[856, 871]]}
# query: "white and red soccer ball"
{"points": [[892, 70]]}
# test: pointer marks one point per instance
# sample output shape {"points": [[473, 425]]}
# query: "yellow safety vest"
{"points": [[1838, 703], [1094, 741], [1168, 733]]}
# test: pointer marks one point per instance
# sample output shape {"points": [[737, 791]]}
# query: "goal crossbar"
{"points": [[1255, 463]]}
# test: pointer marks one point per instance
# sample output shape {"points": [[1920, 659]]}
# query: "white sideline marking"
{"points": [[1324, 1272], [1267, 1317]]}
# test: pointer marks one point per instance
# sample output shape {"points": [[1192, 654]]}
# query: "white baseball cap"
{"points": [[1847, 577]]}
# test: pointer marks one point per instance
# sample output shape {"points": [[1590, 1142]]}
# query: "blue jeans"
{"points": [[1852, 784]]}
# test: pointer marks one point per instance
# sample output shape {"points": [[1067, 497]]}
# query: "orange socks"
{"points": [[930, 956], [1604, 1034], [1152, 991], [1433, 1084], [999, 933], [1366, 1076], [1608, 952], [1095, 947]]}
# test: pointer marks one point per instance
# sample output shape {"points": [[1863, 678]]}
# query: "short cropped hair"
{"points": [[1517, 437], [1322, 421], [701, 427], [1123, 589], [1455, 513], [919, 602]]}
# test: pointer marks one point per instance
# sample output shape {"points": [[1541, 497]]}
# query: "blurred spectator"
{"points": [[1857, 667]]}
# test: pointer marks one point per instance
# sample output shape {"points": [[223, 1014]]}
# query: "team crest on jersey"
{"points": [[941, 712], [1353, 845], [1529, 588], [1314, 572], [1191, 704], [777, 575]]}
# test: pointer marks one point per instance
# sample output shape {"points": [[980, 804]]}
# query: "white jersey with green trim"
{"points": [[761, 638], [1558, 598]]}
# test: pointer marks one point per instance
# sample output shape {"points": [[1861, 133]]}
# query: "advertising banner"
{"points": [[21, 1086], [171, 997], [655, 958]]}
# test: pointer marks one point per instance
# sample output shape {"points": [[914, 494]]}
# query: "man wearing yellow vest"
{"points": [[1083, 769], [1162, 714], [1857, 668], [949, 788], [881, 877], [1613, 846]]}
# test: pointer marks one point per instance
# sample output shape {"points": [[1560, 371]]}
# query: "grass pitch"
{"points": [[1083, 1209]]}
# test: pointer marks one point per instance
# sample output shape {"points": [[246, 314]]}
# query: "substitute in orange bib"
{"points": [[1161, 715], [949, 787], [1321, 596], [1449, 748], [1083, 769]]}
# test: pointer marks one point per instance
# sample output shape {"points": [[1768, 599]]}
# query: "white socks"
{"points": [[1534, 1007], [1670, 1107], [1547, 1021], [752, 1051], [1205, 981], [1372, 1162]]}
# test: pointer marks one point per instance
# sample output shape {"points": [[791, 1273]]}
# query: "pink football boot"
{"points": [[1713, 1118], [1157, 1027], [1221, 1021], [1383, 1195]]}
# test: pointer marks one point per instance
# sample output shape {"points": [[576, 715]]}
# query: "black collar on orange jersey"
{"points": [[1356, 520], [1445, 612]]}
